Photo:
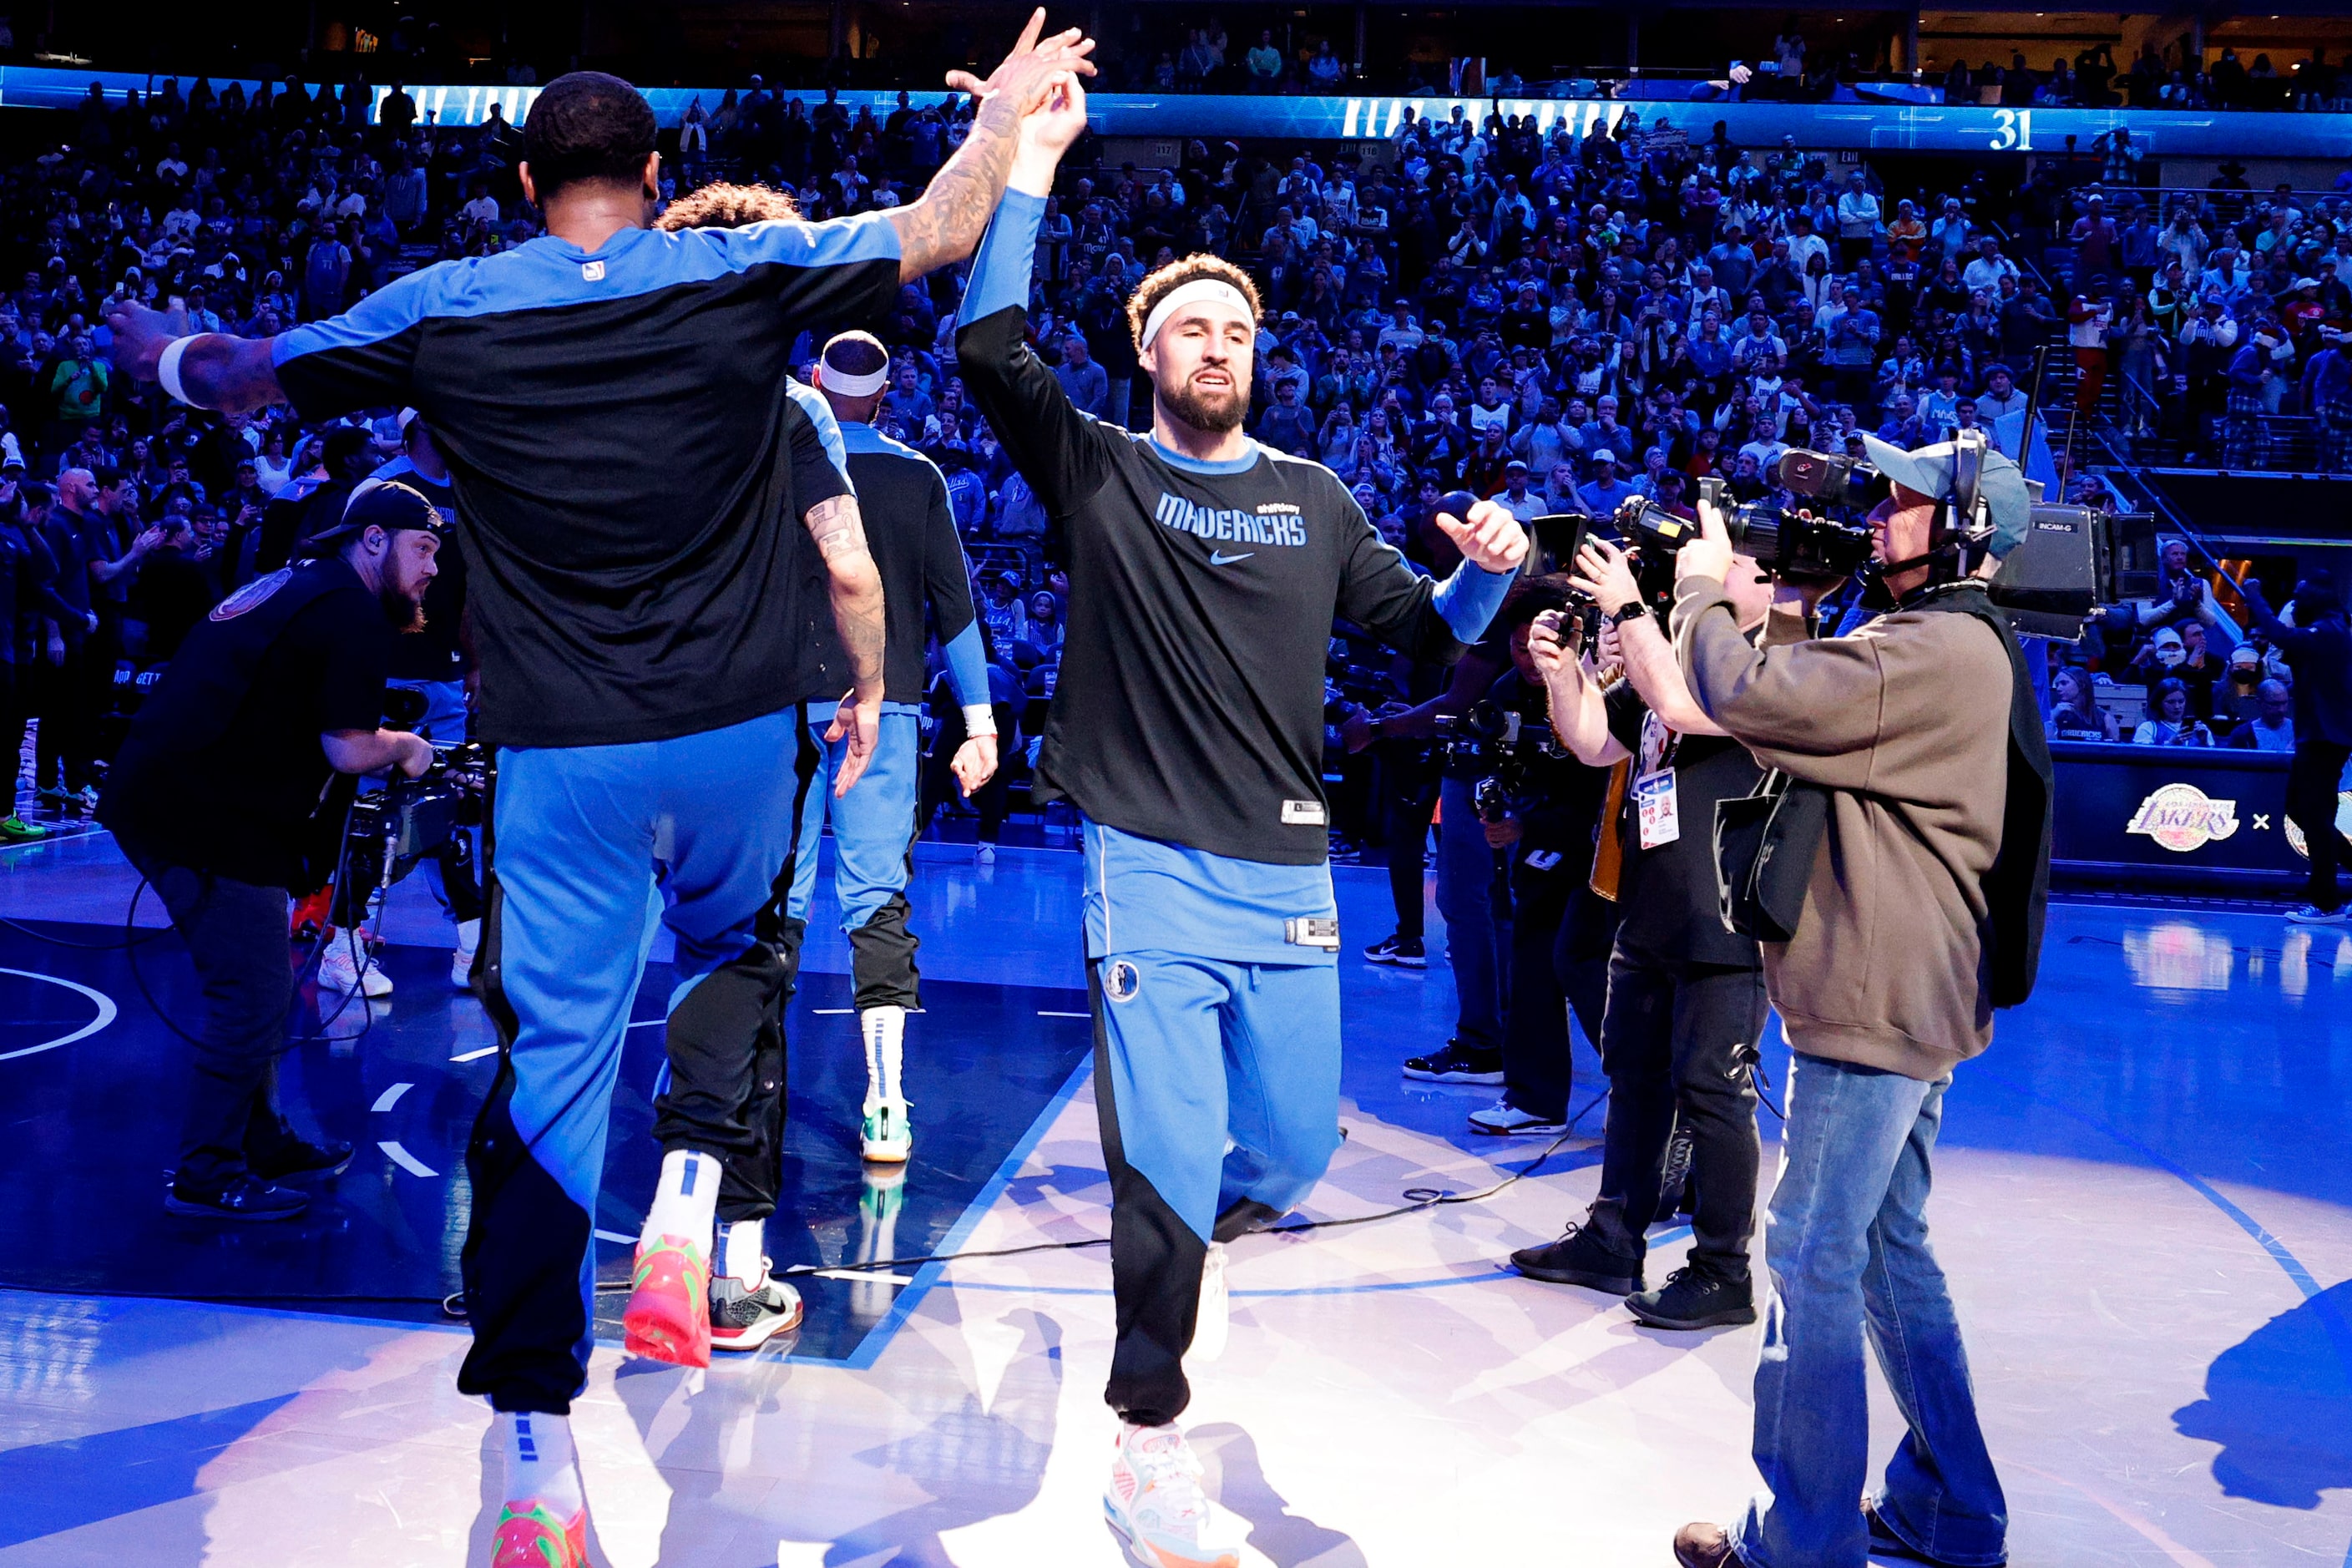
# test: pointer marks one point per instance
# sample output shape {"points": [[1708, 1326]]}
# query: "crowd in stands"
{"points": [[1559, 322]]}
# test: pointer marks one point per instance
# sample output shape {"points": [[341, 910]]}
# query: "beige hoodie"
{"points": [[1907, 720]]}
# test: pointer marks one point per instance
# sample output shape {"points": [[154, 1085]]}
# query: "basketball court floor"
{"points": [[2144, 1201]]}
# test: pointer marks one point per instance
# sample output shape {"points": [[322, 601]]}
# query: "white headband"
{"points": [[1189, 292], [843, 383]]}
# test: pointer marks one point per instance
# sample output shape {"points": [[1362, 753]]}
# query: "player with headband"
{"points": [[915, 556], [912, 533], [1205, 570]]}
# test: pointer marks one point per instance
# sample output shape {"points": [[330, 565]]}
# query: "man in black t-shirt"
{"points": [[220, 797], [433, 665], [1685, 1007]]}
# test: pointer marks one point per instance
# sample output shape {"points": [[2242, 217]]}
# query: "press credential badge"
{"points": [[1656, 815]]}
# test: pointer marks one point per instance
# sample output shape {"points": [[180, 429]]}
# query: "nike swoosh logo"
{"points": [[1219, 558]]}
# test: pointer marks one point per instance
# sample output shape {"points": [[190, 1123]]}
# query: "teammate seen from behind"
{"points": [[612, 405], [1187, 730]]}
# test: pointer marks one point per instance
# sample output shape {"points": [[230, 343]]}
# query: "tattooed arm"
{"points": [[839, 529], [217, 370], [945, 223]]}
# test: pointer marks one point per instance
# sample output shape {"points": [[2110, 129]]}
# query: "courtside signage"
{"points": [[2182, 818]]}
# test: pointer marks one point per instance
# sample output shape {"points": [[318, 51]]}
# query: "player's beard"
{"points": [[1210, 415]]}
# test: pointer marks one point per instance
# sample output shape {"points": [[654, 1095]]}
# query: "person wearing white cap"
{"points": [[1912, 912], [1187, 730]]}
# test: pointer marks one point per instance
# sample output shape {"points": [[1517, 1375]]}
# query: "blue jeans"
{"points": [[1847, 1247], [1465, 898]]}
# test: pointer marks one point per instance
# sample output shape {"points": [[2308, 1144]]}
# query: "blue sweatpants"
{"points": [[587, 840], [873, 848], [1217, 1077]]}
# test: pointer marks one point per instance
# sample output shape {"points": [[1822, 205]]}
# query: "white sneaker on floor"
{"points": [[461, 962], [341, 973], [1213, 1322], [985, 854], [1504, 1119], [2312, 915], [1155, 1503]]}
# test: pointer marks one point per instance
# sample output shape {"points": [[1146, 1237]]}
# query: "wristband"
{"points": [[1631, 610], [979, 722], [167, 368]]}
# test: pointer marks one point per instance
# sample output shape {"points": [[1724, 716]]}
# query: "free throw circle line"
{"points": [[106, 1013]]}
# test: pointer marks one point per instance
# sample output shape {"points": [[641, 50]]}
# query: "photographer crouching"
{"points": [[221, 797], [1918, 743]]}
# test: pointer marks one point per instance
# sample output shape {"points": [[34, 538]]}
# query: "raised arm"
{"points": [[1061, 452], [1606, 574], [944, 223], [1580, 712], [214, 369]]}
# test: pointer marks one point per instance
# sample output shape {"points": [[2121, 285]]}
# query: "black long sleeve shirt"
{"points": [[1202, 596]]}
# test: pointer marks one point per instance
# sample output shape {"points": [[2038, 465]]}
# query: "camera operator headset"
{"points": [[225, 797], [1686, 998], [1920, 742]]}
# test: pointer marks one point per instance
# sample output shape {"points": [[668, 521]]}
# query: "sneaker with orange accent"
{"points": [[1155, 1503], [529, 1535], [668, 1315]]}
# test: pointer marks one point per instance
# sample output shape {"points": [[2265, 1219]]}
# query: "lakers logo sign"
{"points": [[2182, 818]]}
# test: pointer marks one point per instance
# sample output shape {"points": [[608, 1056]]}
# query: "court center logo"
{"points": [[1121, 980], [2182, 818]]}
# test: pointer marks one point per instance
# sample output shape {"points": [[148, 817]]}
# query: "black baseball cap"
{"points": [[378, 503]]}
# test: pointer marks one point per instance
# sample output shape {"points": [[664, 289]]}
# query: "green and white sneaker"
{"points": [[16, 830], [887, 1139]]}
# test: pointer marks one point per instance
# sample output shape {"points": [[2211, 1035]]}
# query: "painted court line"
{"points": [[860, 1276], [475, 1055], [105, 1015], [404, 1160], [391, 1097]]}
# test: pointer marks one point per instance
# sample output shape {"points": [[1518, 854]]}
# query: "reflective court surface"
{"points": [[2144, 1202]]}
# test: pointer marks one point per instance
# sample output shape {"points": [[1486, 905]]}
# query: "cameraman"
{"points": [[1685, 1001], [1536, 804], [1922, 913], [216, 798]]}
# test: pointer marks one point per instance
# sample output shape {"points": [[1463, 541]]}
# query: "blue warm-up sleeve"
{"points": [[1008, 255], [968, 666], [1466, 601]]}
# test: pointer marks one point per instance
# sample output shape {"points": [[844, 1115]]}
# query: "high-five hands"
{"points": [[1029, 73]]}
